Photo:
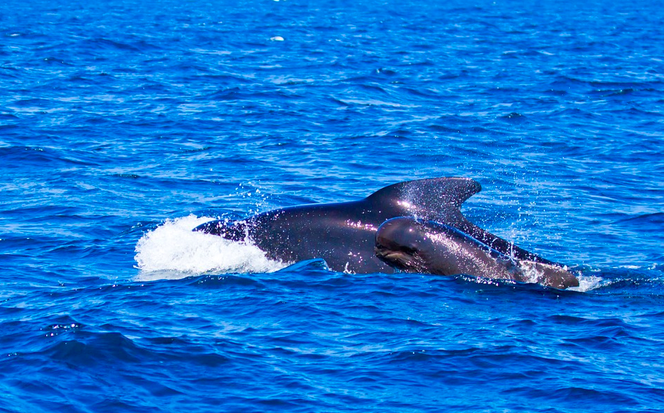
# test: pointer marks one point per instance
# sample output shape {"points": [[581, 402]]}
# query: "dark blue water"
{"points": [[125, 124]]}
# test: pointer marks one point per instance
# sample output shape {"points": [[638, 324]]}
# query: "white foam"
{"points": [[534, 274], [173, 251], [587, 283]]}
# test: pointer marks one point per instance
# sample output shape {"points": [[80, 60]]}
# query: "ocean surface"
{"points": [[125, 124]]}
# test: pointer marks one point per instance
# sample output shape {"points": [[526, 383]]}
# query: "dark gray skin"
{"points": [[429, 247], [343, 234]]}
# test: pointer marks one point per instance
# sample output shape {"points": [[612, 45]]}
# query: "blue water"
{"points": [[125, 124]]}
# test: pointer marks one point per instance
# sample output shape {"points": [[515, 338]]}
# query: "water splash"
{"points": [[173, 251], [588, 283]]}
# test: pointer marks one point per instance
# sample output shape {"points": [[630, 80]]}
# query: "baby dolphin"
{"points": [[429, 247]]}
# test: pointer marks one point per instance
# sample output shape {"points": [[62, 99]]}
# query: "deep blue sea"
{"points": [[125, 124]]}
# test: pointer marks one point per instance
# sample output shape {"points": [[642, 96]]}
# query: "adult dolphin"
{"points": [[344, 233], [429, 247]]}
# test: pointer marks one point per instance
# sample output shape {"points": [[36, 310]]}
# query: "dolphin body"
{"points": [[414, 245], [343, 234]]}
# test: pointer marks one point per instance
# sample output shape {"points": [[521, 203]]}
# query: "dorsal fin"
{"points": [[436, 199]]}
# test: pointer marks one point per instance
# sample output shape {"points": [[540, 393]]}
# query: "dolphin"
{"points": [[413, 245], [343, 234]]}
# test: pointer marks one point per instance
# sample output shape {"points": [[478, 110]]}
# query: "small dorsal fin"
{"points": [[434, 199]]}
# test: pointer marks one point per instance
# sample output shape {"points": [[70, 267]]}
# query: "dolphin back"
{"points": [[436, 199]]}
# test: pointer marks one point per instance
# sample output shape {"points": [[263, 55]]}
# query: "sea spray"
{"points": [[173, 250]]}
